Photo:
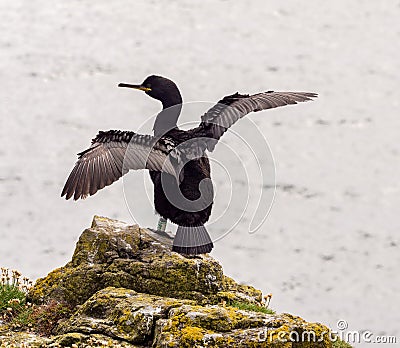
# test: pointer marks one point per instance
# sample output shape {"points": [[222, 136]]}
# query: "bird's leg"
{"points": [[162, 224], [160, 231]]}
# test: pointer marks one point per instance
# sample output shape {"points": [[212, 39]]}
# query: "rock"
{"points": [[114, 254], [216, 326], [156, 321], [82, 340], [121, 313], [22, 339], [127, 288], [31, 340]]}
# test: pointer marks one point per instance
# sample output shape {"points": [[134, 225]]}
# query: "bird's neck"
{"points": [[167, 119], [173, 99]]}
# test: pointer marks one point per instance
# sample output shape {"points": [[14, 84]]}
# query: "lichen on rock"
{"points": [[114, 254], [121, 313], [126, 288], [216, 326]]}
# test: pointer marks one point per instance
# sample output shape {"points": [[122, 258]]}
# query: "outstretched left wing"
{"points": [[111, 155]]}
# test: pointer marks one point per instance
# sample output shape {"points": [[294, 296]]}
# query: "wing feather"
{"points": [[230, 109], [86, 178], [92, 185], [78, 181], [111, 155]]}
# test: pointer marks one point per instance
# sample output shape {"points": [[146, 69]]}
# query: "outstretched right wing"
{"points": [[111, 155], [216, 121]]}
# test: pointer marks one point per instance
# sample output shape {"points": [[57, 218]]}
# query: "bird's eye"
{"points": [[148, 85]]}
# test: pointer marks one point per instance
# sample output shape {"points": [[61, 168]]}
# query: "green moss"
{"points": [[70, 285], [42, 285], [251, 307], [168, 275]]}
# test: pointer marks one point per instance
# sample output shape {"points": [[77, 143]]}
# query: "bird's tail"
{"points": [[192, 240]]}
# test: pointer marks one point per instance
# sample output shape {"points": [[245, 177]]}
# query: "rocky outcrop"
{"points": [[114, 254], [121, 313], [150, 320], [126, 288]]}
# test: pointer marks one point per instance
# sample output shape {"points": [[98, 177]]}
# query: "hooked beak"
{"points": [[139, 87]]}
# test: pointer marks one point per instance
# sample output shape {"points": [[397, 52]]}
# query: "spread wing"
{"points": [[111, 155], [230, 109]]}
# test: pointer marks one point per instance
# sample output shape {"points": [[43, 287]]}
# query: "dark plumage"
{"points": [[176, 159]]}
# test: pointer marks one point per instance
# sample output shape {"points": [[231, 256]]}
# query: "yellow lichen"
{"points": [[226, 295], [191, 335]]}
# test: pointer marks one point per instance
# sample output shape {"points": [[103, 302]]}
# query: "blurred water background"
{"points": [[329, 249]]}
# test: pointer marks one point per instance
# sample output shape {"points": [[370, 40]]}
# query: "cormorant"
{"points": [[176, 159]]}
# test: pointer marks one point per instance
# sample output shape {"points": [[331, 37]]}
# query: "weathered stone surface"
{"points": [[121, 313], [216, 326], [12, 339], [22, 339], [112, 253], [156, 321], [82, 340], [127, 289]]}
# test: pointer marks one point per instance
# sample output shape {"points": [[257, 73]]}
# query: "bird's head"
{"points": [[159, 88]]}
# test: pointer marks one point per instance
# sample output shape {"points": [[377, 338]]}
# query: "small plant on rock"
{"points": [[13, 291], [19, 314]]}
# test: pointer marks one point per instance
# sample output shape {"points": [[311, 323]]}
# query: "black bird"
{"points": [[176, 159]]}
